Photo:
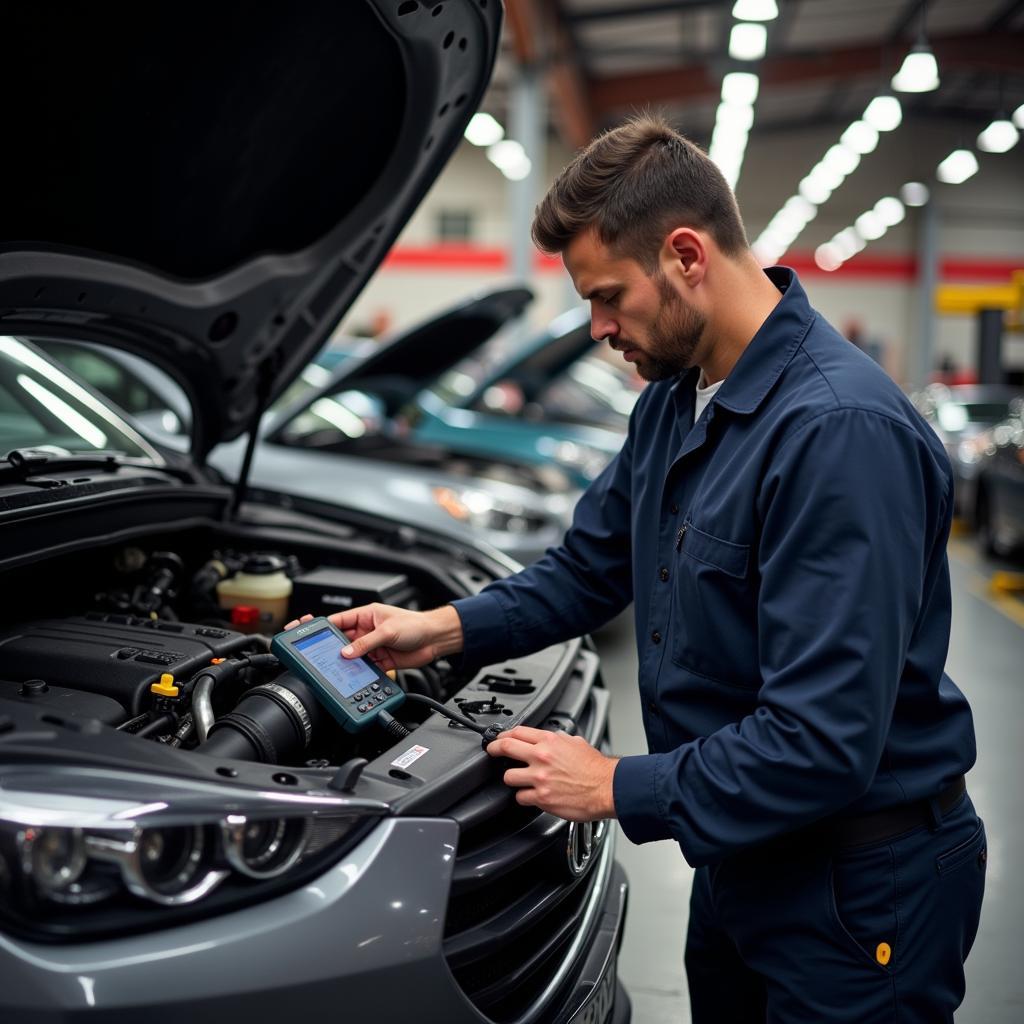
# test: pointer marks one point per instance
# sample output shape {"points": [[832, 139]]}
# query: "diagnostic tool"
{"points": [[353, 690]]}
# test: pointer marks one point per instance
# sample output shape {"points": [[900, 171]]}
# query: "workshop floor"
{"points": [[986, 659]]}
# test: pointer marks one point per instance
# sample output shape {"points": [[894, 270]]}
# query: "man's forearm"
{"points": [[447, 630]]}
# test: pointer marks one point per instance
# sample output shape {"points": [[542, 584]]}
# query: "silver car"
{"points": [[185, 833]]}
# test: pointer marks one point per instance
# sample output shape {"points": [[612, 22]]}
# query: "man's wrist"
{"points": [[446, 627]]}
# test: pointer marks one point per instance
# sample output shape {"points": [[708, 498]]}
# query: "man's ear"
{"points": [[685, 249]]}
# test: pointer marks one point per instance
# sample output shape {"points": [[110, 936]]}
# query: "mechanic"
{"points": [[778, 516]]}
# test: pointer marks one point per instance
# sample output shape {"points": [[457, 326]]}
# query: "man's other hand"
{"points": [[563, 774]]}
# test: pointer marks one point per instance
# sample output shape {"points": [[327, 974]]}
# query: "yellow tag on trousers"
{"points": [[882, 953]]}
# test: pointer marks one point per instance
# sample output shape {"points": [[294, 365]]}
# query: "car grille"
{"points": [[515, 906]]}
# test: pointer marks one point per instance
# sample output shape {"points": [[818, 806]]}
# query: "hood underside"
{"points": [[210, 186]]}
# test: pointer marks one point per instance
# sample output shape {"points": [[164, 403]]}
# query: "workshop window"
{"points": [[455, 225]]}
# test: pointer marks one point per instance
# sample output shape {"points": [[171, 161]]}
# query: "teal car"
{"points": [[549, 398]]}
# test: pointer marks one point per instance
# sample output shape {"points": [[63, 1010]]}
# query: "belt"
{"points": [[894, 821]]}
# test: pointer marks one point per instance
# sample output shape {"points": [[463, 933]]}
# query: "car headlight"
{"points": [[486, 512], [76, 863], [974, 450]]}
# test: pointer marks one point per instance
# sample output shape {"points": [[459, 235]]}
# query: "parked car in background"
{"points": [[961, 415], [185, 833], [548, 397], [1000, 491]]}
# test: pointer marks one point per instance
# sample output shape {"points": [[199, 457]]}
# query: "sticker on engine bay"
{"points": [[412, 755]]}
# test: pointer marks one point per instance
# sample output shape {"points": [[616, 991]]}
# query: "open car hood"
{"points": [[211, 186]]}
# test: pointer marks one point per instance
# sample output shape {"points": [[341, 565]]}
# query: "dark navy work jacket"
{"points": [[786, 555]]}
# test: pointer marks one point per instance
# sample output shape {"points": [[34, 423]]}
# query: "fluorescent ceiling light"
{"points": [[747, 41], [919, 72], [828, 175], [483, 130], [504, 154], [842, 159], [801, 207], [510, 158], [914, 193], [787, 225], [890, 211], [849, 242], [998, 137], [740, 87], [755, 10], [884, 113], [734, 117], [1018, 116], [814, 191], [828, 256], [869, 226], [957, 167], [860, 137]]}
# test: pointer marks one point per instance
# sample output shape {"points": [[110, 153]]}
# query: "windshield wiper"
{"points": [[21, 463]]}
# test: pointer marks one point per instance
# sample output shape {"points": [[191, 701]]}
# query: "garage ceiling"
{"points": [[825, 60]]}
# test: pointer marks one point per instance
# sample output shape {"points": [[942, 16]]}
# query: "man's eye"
{"points": [[612, 299]]}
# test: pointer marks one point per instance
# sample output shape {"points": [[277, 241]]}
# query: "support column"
{"points": [[990, 346], [927, 280], [527, 128]]}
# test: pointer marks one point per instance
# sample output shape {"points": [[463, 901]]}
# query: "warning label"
{"points": [[412, 755]]}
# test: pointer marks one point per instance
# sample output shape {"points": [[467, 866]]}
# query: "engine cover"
{"points": [[111, 654]]}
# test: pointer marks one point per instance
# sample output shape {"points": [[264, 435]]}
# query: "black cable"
{"points": [[156, 725], [488, 733], [443, 709]]}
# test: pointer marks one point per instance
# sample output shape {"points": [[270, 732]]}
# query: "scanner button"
{"points": [[374, 686], [388, 690]]}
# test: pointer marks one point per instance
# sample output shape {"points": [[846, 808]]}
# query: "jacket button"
{"points": [[674, 510], [663, 574], [652, 707], [982, 857], [656, 637]]}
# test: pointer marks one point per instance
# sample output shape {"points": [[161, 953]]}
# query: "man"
{"points": [[778, 516]]}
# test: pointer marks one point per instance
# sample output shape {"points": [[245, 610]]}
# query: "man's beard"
{"points": [[673, 338]]}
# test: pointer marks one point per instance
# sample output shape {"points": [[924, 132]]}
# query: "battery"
{"points": [[330, 589]]}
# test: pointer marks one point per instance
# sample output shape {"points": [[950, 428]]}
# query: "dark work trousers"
{"points": [[801, 932]]}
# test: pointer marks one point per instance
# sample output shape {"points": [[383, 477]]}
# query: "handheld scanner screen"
{"points": [[323, 651]]}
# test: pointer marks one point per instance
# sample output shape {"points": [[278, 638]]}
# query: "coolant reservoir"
{"points": [[257, 595]]}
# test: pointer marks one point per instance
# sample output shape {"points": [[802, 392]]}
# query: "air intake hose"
{"points": [[272, 723]]}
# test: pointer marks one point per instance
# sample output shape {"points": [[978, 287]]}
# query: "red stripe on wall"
{"points": [[866, 265]]}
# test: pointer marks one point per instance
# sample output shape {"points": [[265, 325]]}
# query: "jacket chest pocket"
{"points": [[714, 627]]}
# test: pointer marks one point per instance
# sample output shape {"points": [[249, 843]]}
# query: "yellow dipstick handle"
{"points": [[166, 687]]}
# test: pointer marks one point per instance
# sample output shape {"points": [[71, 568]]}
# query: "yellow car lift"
{"points": [[968, 299]]}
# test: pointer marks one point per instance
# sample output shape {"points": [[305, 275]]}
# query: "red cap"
{"points": [[245, 615]]}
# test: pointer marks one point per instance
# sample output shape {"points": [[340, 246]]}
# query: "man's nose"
{"points": [[602, 327]]}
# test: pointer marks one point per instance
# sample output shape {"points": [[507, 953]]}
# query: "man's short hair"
{"points": [[633, 185]]}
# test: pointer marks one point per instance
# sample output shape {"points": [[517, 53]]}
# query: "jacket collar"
{"points": [[772, 347]]}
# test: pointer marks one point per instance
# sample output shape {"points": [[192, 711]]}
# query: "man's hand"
{"points": [[564, 774], [395, 637]]}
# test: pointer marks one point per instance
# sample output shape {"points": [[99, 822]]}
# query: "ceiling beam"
{"points": [[993, 52], [542, 38], [641, 10]]}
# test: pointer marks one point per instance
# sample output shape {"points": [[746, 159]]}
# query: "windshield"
{"points": [[43, 406]]}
